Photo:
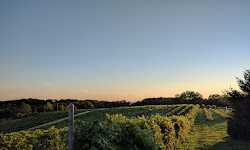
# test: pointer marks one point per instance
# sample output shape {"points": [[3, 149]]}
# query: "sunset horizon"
{"points": [[121, 50], [125, 75]]}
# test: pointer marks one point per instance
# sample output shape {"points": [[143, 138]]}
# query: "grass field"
{"points": [[27, 122], [212, 135]]}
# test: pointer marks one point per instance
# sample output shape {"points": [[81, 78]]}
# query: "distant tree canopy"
{"points": [[190, 95], [157, 101], [216, 99], [85, 105]]}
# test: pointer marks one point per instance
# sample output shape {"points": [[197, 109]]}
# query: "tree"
{"points": [[239, 120], [244, 84], [62, 107], [232, 93], [214, 96], [216, 99], [24, 110], [85, 105], [190, 95], [49, 107]]}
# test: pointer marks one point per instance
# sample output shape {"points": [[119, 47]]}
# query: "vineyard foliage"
{"points": [[147, 127], [221, 112], [150, 131], [208, 115], [53, 139]]}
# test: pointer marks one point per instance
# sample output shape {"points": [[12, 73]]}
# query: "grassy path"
{"points": [[56, 121], [212, 135]]}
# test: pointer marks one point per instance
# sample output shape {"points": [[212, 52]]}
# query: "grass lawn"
{"points": [[27, 122], [212, 135]]}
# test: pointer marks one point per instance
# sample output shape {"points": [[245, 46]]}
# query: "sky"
{"points": [[121, 50]]}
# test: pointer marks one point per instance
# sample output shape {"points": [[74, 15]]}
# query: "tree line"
{"points": [[26, 107], [187, 97]]}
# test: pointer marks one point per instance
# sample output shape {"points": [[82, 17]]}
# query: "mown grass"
{"points": [[8, 126], [212, 135]]}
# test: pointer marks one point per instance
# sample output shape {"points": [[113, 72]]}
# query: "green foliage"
{"points": [[216, 99], [108, 135], [203, 106], [233, 94], [244, 84], [239, 120], [184, 110], [52, 138], [220, 112], [190, 95], [214, 96], [85, 105], [153, 131], [62, 107], [24, 110], [49, 107], [7, 113], [182, 128], [209, 116], [100, 115]]}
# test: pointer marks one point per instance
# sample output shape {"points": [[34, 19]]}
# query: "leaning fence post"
{"points": [[71, 127]]}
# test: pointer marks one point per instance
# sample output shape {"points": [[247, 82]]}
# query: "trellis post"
{"points": [[71, 127]]}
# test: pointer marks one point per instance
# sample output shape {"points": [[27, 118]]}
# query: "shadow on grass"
{"points": [[231, 144]]}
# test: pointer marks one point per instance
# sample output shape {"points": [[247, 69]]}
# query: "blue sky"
{"points": [[114, 50]]}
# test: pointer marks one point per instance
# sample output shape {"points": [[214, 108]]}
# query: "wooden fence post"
{"points": [[71, 127]]}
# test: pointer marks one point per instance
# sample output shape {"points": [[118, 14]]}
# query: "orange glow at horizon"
{"points": [[82, 94]]}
